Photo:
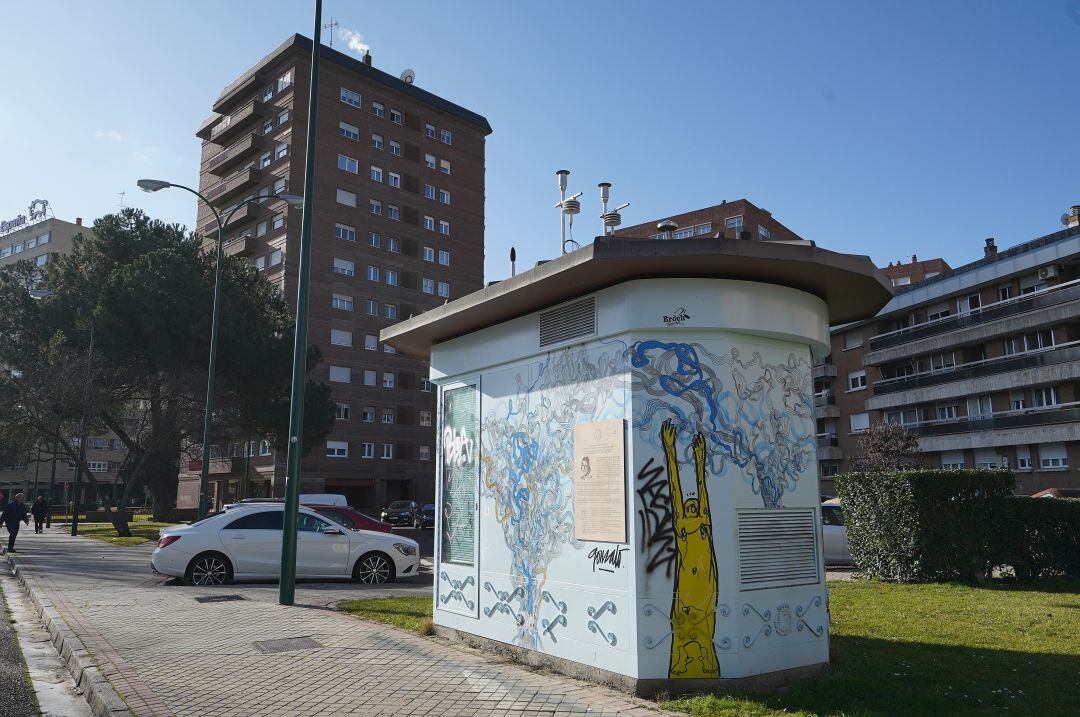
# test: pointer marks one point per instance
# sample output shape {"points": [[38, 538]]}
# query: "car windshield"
{"points": [[400, 504]]}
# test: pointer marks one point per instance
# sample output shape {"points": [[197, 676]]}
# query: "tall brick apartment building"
{"points": [[982, 361], [398, 229]]}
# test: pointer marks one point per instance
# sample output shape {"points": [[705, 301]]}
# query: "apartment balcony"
{"points": [[1060, 353], [226, 189], [229, 127], [226, 161], [1052, 296], [241, 246], [825, 406], [245, 84], [823, 370], [828, 448], [1024, 418]]}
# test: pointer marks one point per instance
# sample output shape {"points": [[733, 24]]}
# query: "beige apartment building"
{"points": [[981, 361], [398, 229]]}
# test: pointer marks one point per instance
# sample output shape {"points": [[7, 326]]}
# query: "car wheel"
{"points": [[373, 569], [209, 569], [417, 524]]}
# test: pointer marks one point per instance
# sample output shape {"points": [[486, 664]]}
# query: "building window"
{"points": [[373, 273], [444, 227], [387, 451], [372, 307], [390, 311], [940, 362], [375, 239], [938, 312], [966, 304], [1013, 345], [350, 98], [428, 285], [377, 109], [339, 337], [340, 374], [276, 257], [429, 131], [424, 453], [344, 267], [429, 191], [395, 180], [261, 228], [901, 281], [979, 406], [268, 126], [1045, 397], [952, 459], [393, 245], [444, 257], [367, 450], [342, 412], [388, 379], [281, 150], [1039, 340], [853, 340], [860, 422], [283, 117], [1023, 458], [346, 198], [375, 206], [391, 277], [1053, 455], [444, 196], [279, 185], [349, 131], [260, 263], [337, 449], [947, 412], [388, 415], [344, 231], [907, 417], [371, 342], [277, 222], [425, 385], [393, 212], [395, 116], [265, 160], [1017, 401], [376, 173], [429, 161], [376, 141], [1005, 292], [763, 233], [444, 289], [856, 380], [446, 136], [368, 414], [444, 166], [370, 377], [425, 418], [387, 348], [429, 254], [348, 164], [429, 223], [341, 301], [395, 148], [734, 223]]}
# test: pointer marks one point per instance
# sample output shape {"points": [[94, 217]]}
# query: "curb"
{"points": [[96, 688]]}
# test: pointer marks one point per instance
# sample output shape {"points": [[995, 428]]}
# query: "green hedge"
{"points": [[1037, 537], [924, 525]]}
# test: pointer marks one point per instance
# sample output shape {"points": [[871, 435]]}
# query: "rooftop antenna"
{"points": [[330, 26], [513, 261], [611, 219], [122, 198], [667, 228], [568, 206]]}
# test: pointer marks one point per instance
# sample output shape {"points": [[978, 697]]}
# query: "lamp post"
{"points": [[154, 185]]}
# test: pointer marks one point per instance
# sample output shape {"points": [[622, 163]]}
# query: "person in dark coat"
{"points": [[12, 515], [40, 511]]}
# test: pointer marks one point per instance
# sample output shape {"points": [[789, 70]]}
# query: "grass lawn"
{"points": [[140, 532], [904, 650]]}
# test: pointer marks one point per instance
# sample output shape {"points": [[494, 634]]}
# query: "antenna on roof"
{"points": [[568, 206], [611, 219], [513, 261], [330, 26]]}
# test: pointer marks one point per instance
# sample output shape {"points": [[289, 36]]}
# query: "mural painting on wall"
{"points": [[715, 413], [526, 467]]}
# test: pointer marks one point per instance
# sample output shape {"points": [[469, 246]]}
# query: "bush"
{"points": [[1037, 537], [923, 525]]}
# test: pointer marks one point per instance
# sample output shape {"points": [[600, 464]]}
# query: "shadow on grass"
{"points": [[881, 678]]}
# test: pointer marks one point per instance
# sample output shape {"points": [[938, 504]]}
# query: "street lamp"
{"points": [[154, 185]]}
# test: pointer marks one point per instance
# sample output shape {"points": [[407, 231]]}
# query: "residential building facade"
{"points": [[981, 361], [738, 219], [398, 229], [37, 242]]}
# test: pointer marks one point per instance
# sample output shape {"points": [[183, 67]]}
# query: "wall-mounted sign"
{"points": [[38, 210], [676, 317], [600, 482]]}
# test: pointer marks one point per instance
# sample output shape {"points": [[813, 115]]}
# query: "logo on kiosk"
{"points": [[676, 317]]}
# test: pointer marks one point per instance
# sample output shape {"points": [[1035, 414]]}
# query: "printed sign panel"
{"points": [[599, 482]]}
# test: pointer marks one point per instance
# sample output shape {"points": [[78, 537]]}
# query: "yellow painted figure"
{"points": [[693, 605]]}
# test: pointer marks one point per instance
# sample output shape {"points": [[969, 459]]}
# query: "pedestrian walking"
{"points": [[40, 511], [12, 515]]}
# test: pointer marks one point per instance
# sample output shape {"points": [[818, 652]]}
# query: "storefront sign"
{"points": [[38, 210]]}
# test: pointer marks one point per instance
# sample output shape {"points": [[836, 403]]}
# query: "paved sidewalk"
{"points": [[167, 654]]}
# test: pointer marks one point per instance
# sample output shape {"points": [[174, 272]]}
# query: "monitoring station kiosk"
{"points": [[626, 476]]}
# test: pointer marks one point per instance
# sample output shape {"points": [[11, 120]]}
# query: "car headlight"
{"points": [[405, 549]]}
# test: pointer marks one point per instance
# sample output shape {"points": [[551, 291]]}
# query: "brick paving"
{"points": [[166, 654]]}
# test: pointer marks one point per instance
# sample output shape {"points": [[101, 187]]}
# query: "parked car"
{"points": [[834, 534], [245, 544], [351, 518], [402, 512], [305, 499], [427, 516]]}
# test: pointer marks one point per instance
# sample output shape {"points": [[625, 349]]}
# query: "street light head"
{"points": [[152, 185], [293, 199]]}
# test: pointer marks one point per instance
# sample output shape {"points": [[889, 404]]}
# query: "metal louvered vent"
{"points": [[777, 548], [572, 321]]}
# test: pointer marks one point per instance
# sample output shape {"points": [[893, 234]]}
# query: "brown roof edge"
{"points": [[850, 284]]}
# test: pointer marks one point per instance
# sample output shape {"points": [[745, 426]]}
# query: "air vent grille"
{"points": [[572, 321], [777, 548]]}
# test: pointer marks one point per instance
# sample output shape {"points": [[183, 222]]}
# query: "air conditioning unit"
{"points": [[1048, 272]]}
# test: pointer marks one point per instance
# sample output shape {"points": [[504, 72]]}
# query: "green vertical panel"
{"points": [[460, 441]]}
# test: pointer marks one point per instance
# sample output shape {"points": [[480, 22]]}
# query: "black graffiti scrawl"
{"points": [[654, 514]]}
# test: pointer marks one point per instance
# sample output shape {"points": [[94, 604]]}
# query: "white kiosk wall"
{"points": [[720, 573]]}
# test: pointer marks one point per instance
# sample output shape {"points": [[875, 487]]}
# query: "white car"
{"points": [[245, 544], [834, 534]]}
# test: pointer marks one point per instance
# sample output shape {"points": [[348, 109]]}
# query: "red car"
{"points": [[351, 518]]}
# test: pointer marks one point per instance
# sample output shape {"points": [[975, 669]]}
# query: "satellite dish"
{"points": [[408, 77]]}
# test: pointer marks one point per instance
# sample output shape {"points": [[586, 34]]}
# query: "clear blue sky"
{"points": [[871, 127]]}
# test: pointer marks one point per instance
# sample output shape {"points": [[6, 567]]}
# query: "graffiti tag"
{"points": [[657, 527], [457, 447], [610, 557]]}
